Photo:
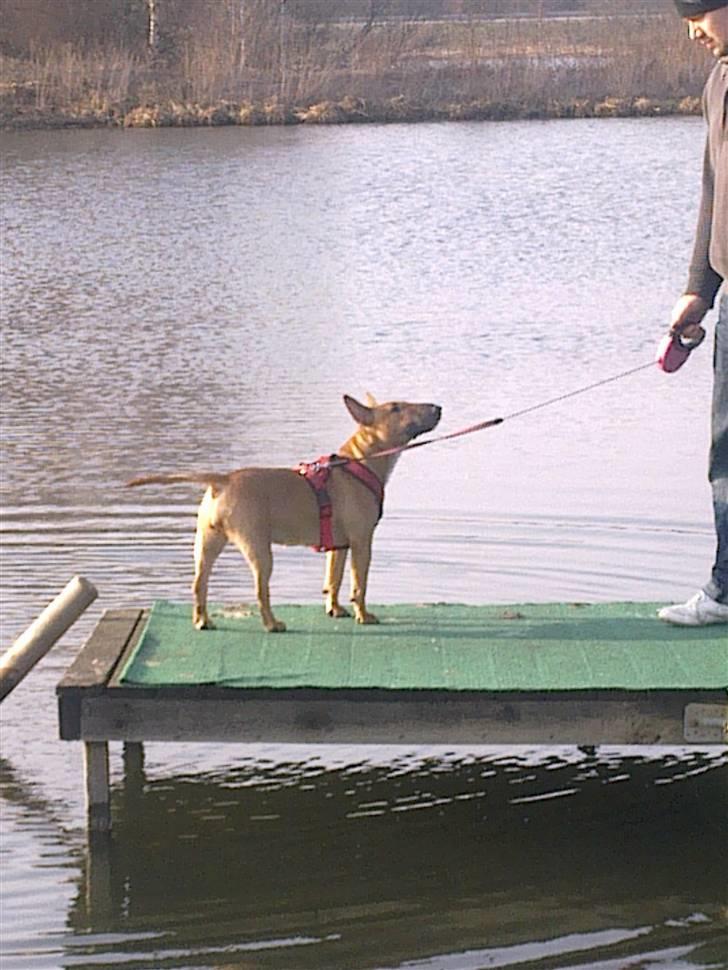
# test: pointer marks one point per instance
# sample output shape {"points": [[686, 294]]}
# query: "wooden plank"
{"points": [[594, 718], [101, 652], [94, 665]]}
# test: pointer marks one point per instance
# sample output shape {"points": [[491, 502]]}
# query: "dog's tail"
{"points": [[213, 479]]}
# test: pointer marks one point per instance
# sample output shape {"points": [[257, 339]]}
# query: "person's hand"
{"points": [[687, 314]]}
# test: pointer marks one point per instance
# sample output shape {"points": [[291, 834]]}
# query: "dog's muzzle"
{"points": [[428, 423]]}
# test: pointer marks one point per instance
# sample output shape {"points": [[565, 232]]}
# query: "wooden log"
{"points": [[43, 632]]}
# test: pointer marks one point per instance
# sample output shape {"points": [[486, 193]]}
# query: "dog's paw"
{"points": [[368, 618], [277, 626], [203, 623], [337, 612]]}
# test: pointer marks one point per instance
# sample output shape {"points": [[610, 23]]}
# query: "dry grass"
{"points": [[285, 71], [65, 76]]}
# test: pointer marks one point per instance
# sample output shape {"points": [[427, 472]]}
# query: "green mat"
{"points": [[539, 647]]}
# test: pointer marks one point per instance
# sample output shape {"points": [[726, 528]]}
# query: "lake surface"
{"points": [[182, 299]]}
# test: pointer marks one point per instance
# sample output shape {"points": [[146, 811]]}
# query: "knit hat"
{"points": [[695, 8]]}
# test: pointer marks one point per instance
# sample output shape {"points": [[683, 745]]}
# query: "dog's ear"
{"points": [[359, 412], [371, 400]]}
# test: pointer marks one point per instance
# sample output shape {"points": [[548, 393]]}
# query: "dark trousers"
{"points": [[717, 588]]}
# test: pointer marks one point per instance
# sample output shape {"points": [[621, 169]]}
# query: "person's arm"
{"points": [[703, 281]]}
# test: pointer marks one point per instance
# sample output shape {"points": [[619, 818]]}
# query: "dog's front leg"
{"points": [[361, 554], [335, 563]]}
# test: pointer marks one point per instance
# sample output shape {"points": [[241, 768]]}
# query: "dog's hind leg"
{"points": [[361, 554], [209, 543], [260, 560], [335, 563]]}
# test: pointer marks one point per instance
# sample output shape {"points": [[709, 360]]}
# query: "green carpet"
{"points": [[539, 647]]}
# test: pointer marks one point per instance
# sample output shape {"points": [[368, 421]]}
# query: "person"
{"points": [[707, 22]]}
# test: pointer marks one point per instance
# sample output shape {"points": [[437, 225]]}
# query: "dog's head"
{"points": [[396, 422]]}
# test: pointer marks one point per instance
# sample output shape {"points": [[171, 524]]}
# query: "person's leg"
{"points": [[710, 605], [717, 588]]}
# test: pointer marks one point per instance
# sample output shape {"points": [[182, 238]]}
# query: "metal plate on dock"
{"points": [[706, 723]]}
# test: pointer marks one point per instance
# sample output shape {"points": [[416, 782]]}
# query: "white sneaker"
{"points": [[701, 610]]}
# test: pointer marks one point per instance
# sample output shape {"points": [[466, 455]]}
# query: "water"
{"points": [[202, 299]]}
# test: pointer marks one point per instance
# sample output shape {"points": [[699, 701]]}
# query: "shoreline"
{"points": [[348, 110]]}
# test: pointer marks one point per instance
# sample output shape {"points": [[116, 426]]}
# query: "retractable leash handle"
{"points": [[675, 348]]}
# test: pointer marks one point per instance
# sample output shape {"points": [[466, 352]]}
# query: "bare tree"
{"points": [[153, 25]]}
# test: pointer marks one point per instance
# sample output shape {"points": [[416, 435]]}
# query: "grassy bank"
{"points": [[293, 72]]}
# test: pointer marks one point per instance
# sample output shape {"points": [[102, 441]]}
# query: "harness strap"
{"points": [[367, 477], [317, 475]]}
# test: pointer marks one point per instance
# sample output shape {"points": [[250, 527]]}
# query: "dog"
{"points": [[256, 507]]}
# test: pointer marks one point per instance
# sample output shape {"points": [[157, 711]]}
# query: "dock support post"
{"points": [[96, 765]]}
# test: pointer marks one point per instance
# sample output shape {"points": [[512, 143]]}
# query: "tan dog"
{"points": [[255, 507]]}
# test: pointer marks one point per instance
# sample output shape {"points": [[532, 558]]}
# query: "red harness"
{"points": [[317, 474]]}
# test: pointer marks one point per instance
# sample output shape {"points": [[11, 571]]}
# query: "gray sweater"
{"points": [[709, 264]]}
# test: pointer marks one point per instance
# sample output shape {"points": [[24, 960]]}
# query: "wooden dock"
{"points": [[541, 674]]}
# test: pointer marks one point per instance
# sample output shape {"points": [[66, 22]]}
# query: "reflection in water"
{"points": [[380, 865]]}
